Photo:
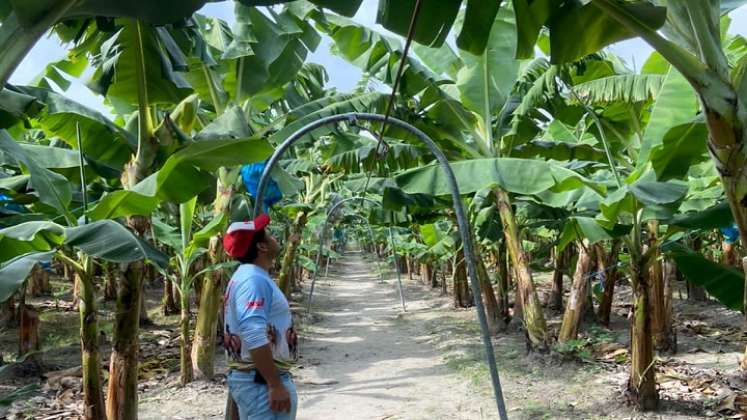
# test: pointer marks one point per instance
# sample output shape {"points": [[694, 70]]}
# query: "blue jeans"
{"points": [[252, 398]]}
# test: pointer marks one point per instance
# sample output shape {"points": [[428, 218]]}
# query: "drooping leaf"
{"points": [[57, 72], [442, 60], [653, 193], [269, 51], [231, 124], [714, 217], [578, 228], [14, 272], [185, 174], [579, 30], [378, 55], [48, 157], [519, 176], [53, 189], [396, 199], [478, 18], [162, 12], [110, 241], [724, 283], [16, 106], [434, 22], [103, 141], [675, 105], [682, 147], [325, 107]]}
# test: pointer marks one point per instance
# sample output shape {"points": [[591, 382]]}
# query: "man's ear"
{"points": [[262, 246]]}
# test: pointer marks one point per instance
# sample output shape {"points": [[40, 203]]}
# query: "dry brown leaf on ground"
{"points": [[735, 405]]}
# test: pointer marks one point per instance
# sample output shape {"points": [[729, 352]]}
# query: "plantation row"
{"points": [[565, 157]]}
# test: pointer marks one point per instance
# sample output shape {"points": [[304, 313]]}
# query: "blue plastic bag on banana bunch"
{"points": [[250, 175]]}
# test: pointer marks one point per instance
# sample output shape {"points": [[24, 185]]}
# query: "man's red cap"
{"points": [[240, 234]]}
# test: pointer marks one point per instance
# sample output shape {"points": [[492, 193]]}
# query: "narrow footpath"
{"points": [[363, 358]]}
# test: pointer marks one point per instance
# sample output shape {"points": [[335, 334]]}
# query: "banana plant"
{"points": [[187, 247], [258, 75], [688, 36], [106, 240], [464, 106], [54, 201]]}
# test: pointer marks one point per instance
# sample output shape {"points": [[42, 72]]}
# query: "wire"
{"points": [[382, 148]]}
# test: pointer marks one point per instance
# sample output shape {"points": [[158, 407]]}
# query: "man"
{"points": [[259, 332]]}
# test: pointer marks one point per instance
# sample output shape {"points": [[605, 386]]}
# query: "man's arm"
{"points": [[279, 397]]}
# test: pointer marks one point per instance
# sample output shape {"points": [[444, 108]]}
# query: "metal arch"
{"points": [[462, 221], [323, 238]]}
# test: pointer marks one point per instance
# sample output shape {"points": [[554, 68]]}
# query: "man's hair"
{"points": [[252, 252]]}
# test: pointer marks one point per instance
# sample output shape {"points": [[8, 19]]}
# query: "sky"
{"points": [[342, 75]]}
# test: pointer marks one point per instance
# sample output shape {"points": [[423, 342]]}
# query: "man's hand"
{"points": [[279, 398]]}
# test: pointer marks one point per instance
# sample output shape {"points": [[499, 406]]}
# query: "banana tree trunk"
{"points": [[462, 294], [168, 305], [185, 362], [694, 292], [38, 282], [110, 281], [504, 279], [607, 263], [8, 313], [729, 254], [660, 327], [642, 380], [143, 318], [289, 258], [121, 402], [203, 345], [534, 318], [444, 283], [670, 276], [426, 271], [401, 264], [93, 395], [501, 289], [497, 316], [28, 332], [556, 294], [578, 297]]}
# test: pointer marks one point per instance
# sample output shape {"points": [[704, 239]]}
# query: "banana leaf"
{"points": [[726, 284]]}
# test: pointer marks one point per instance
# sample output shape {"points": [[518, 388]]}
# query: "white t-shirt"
{"points": [[258, 313]]}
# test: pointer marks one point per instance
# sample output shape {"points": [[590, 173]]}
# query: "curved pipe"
{"points": [[462, 221]]}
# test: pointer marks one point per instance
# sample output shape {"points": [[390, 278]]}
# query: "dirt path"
{"points": [[364, 359], [361, 358]]}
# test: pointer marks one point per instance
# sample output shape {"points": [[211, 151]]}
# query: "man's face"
{"points": [[272, 246]]}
